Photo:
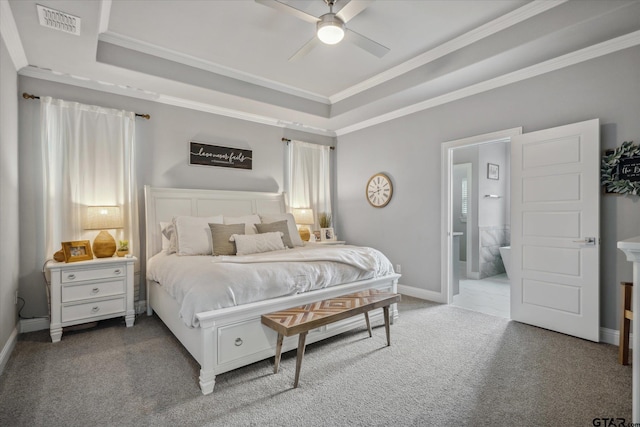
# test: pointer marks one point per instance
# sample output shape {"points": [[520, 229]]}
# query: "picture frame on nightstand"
{"points": [[327, 234], [77, 250]]}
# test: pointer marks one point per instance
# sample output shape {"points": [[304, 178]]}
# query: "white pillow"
{"points": [[166, 231], [291, 223], [193, 235], [249, 222], [257, 243]]}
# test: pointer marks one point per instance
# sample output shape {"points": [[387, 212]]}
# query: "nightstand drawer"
{"points": [[92, 309], [73, 275], [92, 290]]}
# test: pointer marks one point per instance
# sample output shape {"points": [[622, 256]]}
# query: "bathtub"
{"points": [[505, 253]]}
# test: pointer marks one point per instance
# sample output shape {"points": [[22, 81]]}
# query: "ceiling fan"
{"points": [[331, 27]]}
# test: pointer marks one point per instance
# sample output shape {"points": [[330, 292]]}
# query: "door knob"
{"points": [[586, 241]]}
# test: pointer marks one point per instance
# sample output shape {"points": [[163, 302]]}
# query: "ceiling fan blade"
{"points": [[353, 8], [289, 9], [365, 43], [306, 48]]}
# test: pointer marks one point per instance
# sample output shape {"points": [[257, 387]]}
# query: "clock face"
{"points": [[379, 190]]}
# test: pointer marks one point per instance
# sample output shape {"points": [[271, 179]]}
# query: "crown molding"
{"points": [[79, 81], [192, 61], [11, 37], [105, 14], [499, 24], [582, 55]]}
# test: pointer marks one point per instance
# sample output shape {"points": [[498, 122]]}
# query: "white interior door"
{"points": [[555, 233]]}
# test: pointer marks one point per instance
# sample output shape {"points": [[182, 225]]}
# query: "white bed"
{"points": [[231, 337]]}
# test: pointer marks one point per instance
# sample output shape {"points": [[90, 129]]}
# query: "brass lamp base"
{"points": [[104, 245], [305, 235]]}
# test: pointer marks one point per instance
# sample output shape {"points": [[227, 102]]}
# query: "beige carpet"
{"points": [[446, 367]]}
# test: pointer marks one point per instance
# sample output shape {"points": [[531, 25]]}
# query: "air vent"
{"points": [[57, 20]]}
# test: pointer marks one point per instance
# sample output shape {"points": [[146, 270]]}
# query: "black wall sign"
{"points": [[629, 169], [214, 155]]}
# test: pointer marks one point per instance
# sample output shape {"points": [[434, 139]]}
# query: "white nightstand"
{"points": [[87, 291]]}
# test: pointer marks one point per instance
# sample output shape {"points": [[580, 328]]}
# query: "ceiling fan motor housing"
{"points": [[330, 28]]}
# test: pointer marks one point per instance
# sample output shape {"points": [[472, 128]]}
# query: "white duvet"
{"points": [[204, 283]]}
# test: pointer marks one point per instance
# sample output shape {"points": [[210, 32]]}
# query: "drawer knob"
{"points": [[95, 290], [117, 272], [71, 276], [238, 342], [95, 309]]}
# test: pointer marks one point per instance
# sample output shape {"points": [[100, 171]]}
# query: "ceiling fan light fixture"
{"points": [[330, 29]]}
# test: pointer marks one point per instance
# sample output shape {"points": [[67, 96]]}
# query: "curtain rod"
{"points": [[288, 141], [26, 95]]}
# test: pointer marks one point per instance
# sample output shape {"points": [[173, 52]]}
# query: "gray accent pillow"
{"points": [[277, 226], [220, 235]]}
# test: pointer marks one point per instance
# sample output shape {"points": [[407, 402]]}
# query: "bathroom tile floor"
{"points": [[490, 295]]}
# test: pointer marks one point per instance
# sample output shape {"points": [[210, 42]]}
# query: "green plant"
{"points": [[324, 219], [123, 245]]}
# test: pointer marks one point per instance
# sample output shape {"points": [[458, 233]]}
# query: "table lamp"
{"points": [[103, 218], [304, 217]]}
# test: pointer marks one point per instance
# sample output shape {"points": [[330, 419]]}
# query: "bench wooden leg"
{"points": [[366, 317], [276, 364], [301, 343], [625, 324], [386, 324]]}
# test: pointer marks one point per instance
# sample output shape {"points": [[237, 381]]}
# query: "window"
{"points": [[309, 177], [464, 202]]}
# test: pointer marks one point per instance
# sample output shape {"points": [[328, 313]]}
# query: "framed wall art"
{"points": [[214, 155], [493, 171]]}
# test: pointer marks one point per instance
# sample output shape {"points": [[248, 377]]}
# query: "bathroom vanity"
{"points": [[631, 248]]}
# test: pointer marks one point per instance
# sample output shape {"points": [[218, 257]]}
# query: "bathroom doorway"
{"points": [[478, 222]]}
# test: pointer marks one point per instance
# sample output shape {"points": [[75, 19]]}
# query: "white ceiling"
{"points": [[231, 57]]}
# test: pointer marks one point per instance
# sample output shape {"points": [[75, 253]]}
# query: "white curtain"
{"points": [[309, 177], [87, 159]]}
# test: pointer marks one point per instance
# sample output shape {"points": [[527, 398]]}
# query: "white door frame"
{"points": [[446, 236]]}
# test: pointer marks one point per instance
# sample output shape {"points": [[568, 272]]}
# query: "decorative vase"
{"points": [[104, 245], [304, 233]]}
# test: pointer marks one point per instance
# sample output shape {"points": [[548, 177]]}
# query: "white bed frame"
{"points": [[233, 337]]}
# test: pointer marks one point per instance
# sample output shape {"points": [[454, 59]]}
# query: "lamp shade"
{"points": [[103, 218], [303, 216]]}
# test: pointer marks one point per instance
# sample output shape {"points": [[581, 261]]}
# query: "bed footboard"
{"points": [[230, 338]]}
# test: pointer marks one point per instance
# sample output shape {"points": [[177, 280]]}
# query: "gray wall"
{"points": [[9, 250], [408, 149], [162, 147]]}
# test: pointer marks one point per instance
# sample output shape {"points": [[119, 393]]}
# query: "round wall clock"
{"points": [[379, 190]]}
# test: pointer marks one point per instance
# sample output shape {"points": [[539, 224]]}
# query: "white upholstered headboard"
{"points": [[162, 204]]}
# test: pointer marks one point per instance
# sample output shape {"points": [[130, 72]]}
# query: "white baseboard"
{"points": [[611, 336], [7, 349], [31, 325], [607, 336], [421, 293], [141, 306]]}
